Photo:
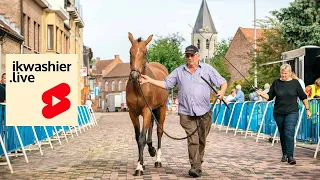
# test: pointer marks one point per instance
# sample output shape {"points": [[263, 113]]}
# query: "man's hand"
{"points": [[259, 92], [220, 95], [144, 79]]}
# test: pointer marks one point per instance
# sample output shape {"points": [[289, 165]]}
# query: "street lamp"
{"points": [[255, 47], [209, 47]]}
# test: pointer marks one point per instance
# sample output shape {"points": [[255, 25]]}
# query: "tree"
{"points": [[167, 51], [300, 22], [218, 61], [269, 48]]}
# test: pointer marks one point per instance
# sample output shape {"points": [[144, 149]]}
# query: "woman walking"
{"points": [[285, 90]]}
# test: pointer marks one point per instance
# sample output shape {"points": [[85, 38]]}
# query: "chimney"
{"points": [[116, 56]]}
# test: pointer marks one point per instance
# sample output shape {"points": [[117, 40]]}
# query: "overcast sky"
{"points": [[107, 22]]}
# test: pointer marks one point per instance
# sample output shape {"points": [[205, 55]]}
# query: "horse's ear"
{"points": [[149, 39], [131, 38]]}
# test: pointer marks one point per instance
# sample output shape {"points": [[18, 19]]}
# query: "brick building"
{"points": [[32, 25], [10, 42], [101, 67], [87, 59], [42, 26], [240, 52], [115, 81], [11, 39]]}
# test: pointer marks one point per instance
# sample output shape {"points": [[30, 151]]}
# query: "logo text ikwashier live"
{"points": [[23, 72]]}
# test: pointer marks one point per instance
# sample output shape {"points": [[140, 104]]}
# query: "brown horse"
{"points": [[155, 96]]}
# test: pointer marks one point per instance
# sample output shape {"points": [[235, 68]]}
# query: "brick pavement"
{"points": [[109, 151]]}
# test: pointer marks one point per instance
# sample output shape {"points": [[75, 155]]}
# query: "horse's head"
{"points": [[138, 56]]}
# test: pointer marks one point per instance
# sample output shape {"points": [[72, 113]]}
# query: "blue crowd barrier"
{"points": [[309, 128], [10, 137], [260, 114]]}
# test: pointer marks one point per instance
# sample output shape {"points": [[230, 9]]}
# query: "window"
{"points": [[61, 43], [120, 85], [50, 37], [25, 28], [207, 43], [34, 35], [106, 86], [113, 86], [67, 45], [39, 34], [57, 30], [198, 44], [28, 27]]}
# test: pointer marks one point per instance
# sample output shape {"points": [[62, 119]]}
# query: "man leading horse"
{"points": [[194, 101]]}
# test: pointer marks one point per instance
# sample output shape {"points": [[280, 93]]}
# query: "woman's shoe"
{"points": [[291, 160], [284, 158]]}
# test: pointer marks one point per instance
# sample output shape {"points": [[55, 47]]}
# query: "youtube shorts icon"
{"points": [[42, 89], [58, 92]]}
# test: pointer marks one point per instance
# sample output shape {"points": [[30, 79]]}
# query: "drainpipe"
{"points": [[21, 18], [22, 26]]}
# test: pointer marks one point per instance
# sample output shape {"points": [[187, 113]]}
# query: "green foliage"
{"points": [[292, 27], [92, 61], [269, 48], [218, 61], [300, 22], [167, 51]]}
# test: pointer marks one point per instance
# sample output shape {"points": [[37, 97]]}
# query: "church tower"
{"points": [[204, 35]]}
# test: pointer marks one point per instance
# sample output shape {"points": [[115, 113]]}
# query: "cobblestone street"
{"points": [[109, 151]]}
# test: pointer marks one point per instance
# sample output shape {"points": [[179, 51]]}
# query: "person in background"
{"points": [[3, 88], [89, 104], [286, 110], [231, 96], [239, 96], [294, 76], [313, 91], [3, 100]]}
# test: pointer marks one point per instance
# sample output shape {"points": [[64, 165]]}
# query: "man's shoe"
{"points": [[195, 172], [291, 160], [284, 158]]}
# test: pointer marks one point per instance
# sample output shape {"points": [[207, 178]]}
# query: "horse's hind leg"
{"points": [[161, 118], [151, 149]]}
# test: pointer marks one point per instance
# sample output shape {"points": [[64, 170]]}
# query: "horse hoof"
{"points": [[138, 173], [152, 151], [157, 164]]}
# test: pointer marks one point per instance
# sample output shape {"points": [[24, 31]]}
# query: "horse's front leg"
{"points": [[161, 119], [135, 121], [142, 140]]}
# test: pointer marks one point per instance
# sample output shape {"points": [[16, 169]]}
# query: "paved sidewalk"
{"points": [[109, 151]]}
